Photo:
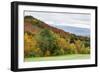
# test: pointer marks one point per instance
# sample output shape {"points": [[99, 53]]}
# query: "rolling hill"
{"points": [[34, 25], [41, 39]]}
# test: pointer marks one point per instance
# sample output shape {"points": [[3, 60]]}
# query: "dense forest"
{"points": [[43, 40]]}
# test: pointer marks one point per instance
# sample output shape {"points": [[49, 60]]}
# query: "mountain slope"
{"points": [[32, 24], [41, 39]]}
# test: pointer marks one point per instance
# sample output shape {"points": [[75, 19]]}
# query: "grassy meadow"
{"points": [[62, 57]]}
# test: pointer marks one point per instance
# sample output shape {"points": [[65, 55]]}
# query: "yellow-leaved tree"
{"points": [[30, 44]]}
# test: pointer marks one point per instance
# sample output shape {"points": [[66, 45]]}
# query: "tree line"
{"points": [[47, 43]]}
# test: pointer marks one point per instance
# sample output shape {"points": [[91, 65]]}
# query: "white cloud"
{"points": [[67, 24]]}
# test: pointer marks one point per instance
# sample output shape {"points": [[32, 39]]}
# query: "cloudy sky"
{"points": [[65, 19]]}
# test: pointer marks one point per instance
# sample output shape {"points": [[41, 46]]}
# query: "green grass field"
{"points": [[53, 58]]}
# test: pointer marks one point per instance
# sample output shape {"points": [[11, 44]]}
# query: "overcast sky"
{"points": [[64, 19]]}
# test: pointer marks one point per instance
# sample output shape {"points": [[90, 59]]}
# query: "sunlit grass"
{"points": [[53, 58]]}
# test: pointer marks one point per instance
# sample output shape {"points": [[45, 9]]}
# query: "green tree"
{"points": [[46, 41]]}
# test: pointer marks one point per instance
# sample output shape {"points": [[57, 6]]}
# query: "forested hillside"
{"points": [[43, 40]]}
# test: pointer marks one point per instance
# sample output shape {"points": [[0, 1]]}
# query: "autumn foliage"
{"points": [[41, 40]]}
